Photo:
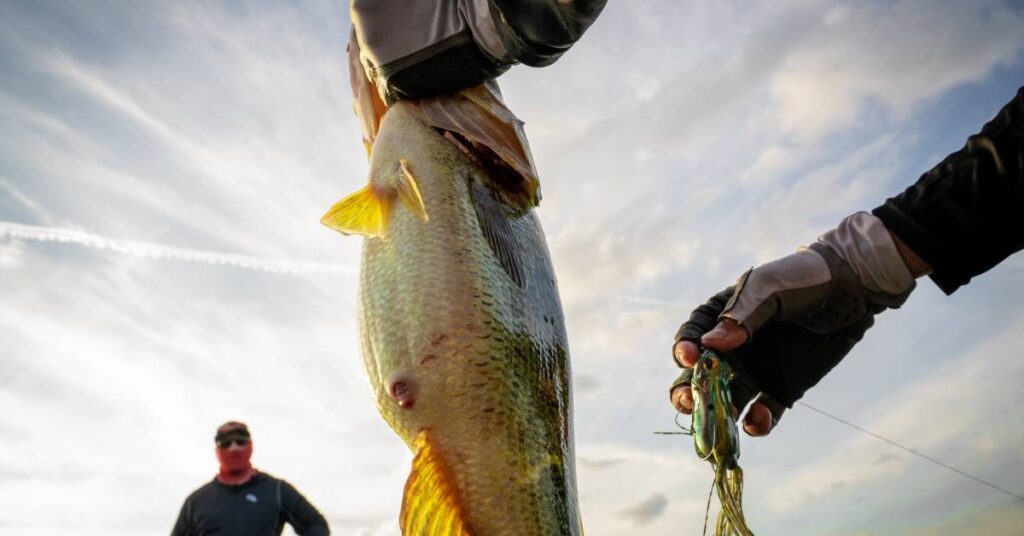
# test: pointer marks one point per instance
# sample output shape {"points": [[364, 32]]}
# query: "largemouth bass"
{"points": [[462, 331]]}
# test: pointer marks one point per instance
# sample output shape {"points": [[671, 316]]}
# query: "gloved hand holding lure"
{"points": [[808, 310], [785, 324]]}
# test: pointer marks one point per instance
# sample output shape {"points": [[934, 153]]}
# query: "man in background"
{"points": [[243, 501]]}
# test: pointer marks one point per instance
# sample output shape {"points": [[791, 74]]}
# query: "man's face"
{"points": [[234, 452]]}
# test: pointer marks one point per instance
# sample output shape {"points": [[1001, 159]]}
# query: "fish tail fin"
{"points": [[431, 504], [365, 212], [409, 192]]}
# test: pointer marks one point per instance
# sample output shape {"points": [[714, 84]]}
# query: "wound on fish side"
{"points": [[402, 391]]}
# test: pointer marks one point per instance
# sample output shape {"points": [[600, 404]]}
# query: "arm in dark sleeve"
{"points": [[303, 516], [181, 526], [967, 214], [538, 32]]}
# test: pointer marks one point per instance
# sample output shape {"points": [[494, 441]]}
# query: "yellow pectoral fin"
{"points": [[431, 505], [368, 211], [365, 212], [409, 192]]}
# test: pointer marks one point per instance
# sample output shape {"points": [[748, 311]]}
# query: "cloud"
{"points": [[646, 511], [599, 464], [162, 252], [244, 176], [583, 384], [888, 457], [903, 418], [862, 54], [993, 518], [34, 208], [12, 253], [789, 212], [93, 84], [631, 489]]}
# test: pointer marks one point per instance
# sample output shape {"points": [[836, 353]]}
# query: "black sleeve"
{"points": [[538, 32], [182, 526], [303, 516], [967, 214]]}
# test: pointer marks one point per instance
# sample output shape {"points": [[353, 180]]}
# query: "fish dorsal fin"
{"points": [[497, 227], [409, 192], [431, 504], [368, 211], [365, 212]]}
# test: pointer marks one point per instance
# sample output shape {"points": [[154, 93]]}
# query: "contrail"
{"points": [[158, 251]]}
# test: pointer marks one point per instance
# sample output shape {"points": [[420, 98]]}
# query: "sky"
{"points": [[163, 169]]}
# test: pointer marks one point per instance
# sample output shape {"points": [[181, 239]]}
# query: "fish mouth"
{"points": [[516, 190]]}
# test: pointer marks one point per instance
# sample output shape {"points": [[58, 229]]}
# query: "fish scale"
{"points": [[463, 340]]}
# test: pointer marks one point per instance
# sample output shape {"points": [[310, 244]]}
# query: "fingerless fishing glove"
{"points": [[805, 311]]}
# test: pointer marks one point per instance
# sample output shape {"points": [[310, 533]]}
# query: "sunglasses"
{"points": [[226, 443]]}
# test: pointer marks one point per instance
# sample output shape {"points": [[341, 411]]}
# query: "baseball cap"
{"points": [[232, 429]]}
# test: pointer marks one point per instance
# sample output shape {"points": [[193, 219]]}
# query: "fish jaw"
{"points": [[460, 351]]}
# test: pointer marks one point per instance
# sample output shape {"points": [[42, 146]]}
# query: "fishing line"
{"points": [[914, 452], [685, 429], [707, 508]]}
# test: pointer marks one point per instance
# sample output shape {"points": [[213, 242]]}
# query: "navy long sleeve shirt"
{"points": [[259, 507]]}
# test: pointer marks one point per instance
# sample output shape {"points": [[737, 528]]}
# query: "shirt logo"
{"points": [[250, 497]]}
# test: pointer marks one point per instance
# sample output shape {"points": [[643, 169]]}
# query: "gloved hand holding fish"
{"points": [[784, 325]]}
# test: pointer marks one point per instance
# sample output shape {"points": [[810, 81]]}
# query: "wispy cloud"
{"points": [[647, 510], [162, 252], [949, 395], [860, 54], [245, 175], [654, 492]]}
